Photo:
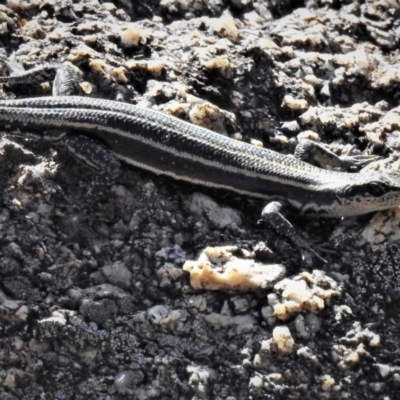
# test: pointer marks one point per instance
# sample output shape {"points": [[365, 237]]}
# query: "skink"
{"points": [[166, 145]]}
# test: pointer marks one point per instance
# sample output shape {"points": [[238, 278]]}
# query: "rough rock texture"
{"points": [[97, 306]]}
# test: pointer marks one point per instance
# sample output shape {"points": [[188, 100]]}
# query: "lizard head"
{"points": [[371, 191]]}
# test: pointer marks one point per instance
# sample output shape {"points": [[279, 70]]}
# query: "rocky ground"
{"points": [[101, 306]]}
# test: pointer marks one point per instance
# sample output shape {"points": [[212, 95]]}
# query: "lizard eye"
{"points": [[373, 189], [376, 189]]}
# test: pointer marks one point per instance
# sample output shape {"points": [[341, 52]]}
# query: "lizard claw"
{"points": [[304, 246]]}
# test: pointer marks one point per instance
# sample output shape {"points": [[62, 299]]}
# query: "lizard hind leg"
{"points": [[101, 160]]}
